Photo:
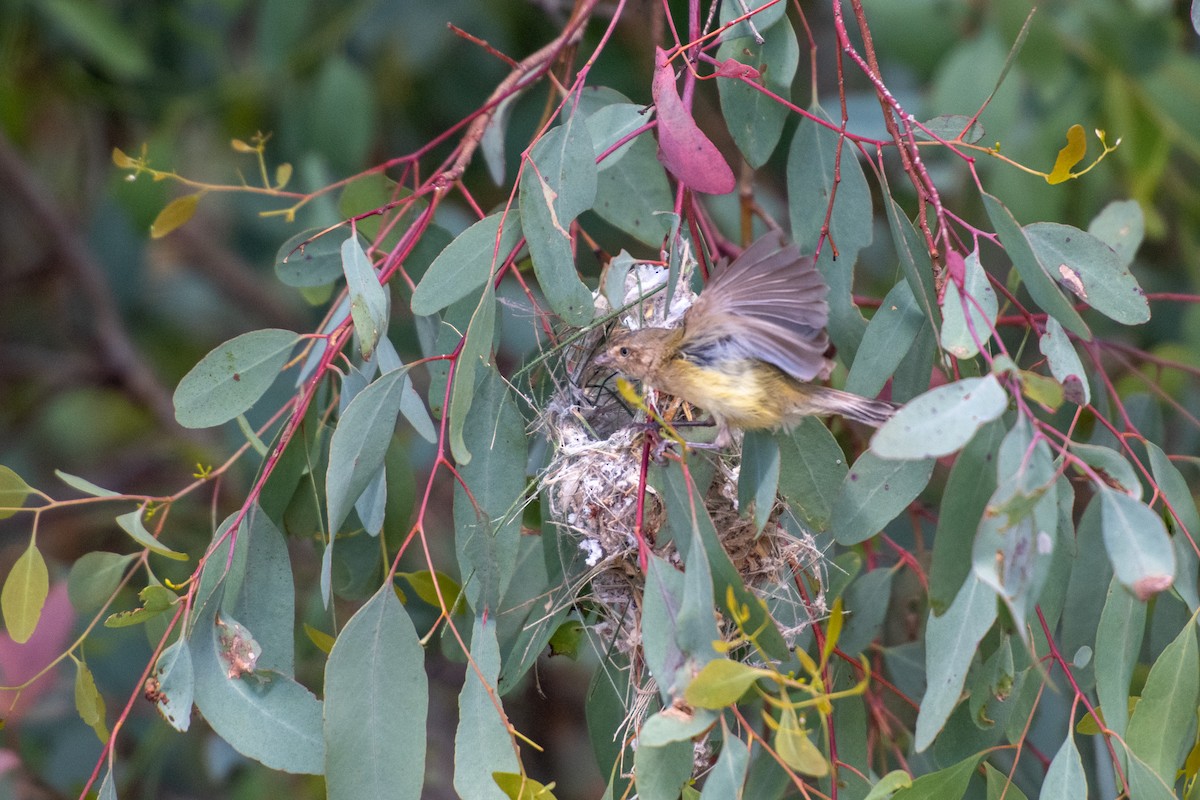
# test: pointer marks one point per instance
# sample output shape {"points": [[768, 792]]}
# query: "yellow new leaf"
{"points": [[320, 638], [24, 594], [722, 682], [88, 701], [796, 749], [121, 160], [283, 174], [176, 213], [1069, 156], [13, 491]]}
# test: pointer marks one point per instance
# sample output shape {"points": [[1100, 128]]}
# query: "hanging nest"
{"points": [[592, 487]]}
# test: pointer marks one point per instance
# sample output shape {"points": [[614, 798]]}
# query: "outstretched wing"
{"points": [[768, 304]]}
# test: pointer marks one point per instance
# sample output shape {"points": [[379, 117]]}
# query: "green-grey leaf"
{"points": [[131, 523], [1042, 289], [1112, 464], [94, 578], [1118, 642], [1065, 777], [476, 352], [368, 299], [948, 127], [1064, 362], [266, 598], [231, 378], [942, 420], [812, 158], [557, 185], [176, 685], [758, 479], [660, 772], [1185, 522], [360, 443], [812, 468], [633, 194], [482, 744], [1138, 544], [319, 263], [874, 493], [950, 643], [1162, 726], [728, 775], [466, 263], [1120, 225], [972, 481], [888, 338], [85, 486], [269, 718], [1090, 269], [763, 15], [376, 702], [756, 120]]}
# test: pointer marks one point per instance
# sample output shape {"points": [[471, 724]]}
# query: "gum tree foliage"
{"points": [[1005, 595]]}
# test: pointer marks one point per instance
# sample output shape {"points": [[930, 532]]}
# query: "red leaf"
{"points": [[682, 147]]}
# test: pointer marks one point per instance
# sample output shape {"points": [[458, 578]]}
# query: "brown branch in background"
{"points": [[116, 349], [231, 275]]}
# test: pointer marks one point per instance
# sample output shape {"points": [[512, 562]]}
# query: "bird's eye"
{"points": [[623, 352]]}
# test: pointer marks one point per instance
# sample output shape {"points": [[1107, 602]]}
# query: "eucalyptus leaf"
{"points": [[942, 420], [232, 378]]}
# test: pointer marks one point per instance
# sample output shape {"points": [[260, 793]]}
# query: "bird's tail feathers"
{"points": [[852, 406]]}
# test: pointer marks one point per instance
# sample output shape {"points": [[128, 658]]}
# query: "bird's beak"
{"points": [[604, 359]]}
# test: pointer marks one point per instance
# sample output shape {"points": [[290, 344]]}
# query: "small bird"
{"points": [[748, 347]]}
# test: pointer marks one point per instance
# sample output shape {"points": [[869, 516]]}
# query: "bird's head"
{"points": [[638, 354]]}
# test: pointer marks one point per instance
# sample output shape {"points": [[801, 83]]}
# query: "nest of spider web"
{"points": [[593, 485]]}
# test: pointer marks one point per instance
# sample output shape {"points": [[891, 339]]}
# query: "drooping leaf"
{"points": [[176, 685], [1070, 155], [1118, 642], [24, 594], [889, 784], [797, 750], [558, 183], [369, 306], [1138, 544], [758, 479], [475, 353], [1090, 269], [1064, 363], [888, 338], [660, 772], [487, 523], [360, 443], [972, 482], [85, 486], [89, 703], [1065, 777], [728, 775], [759, 15], [376, 701], [950, 643], [231, 378], [812, 467], [874, 493], [683, 148], [1162, 726], [1183, 519], [467, 262]]}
